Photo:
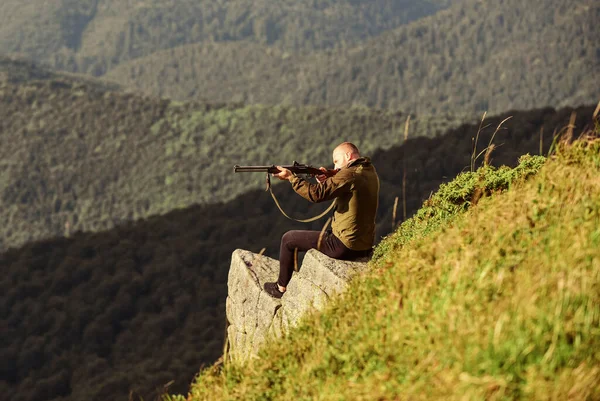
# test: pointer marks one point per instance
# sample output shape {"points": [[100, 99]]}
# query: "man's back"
{"points": [[356, 210], [356, 188]]}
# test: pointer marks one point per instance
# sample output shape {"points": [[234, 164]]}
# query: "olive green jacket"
{"points": [[356, 188]]}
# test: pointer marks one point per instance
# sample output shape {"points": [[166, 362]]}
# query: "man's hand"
{"points": [[284, 174], [326, 174], [321, 177]]}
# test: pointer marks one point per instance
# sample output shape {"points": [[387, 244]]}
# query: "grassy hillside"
{"points": [[494, 301], [92, 36], [483, 56], [74, 309], [75, 154]]}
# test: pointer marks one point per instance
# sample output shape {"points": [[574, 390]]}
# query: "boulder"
{"points": [[249, 309], [253, 316]]}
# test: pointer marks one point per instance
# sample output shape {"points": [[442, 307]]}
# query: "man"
{"points": [[355, 187]]}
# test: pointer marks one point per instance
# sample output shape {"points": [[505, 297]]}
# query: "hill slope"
{"points": [[77, 154], [482, 56], [74, 309], [501, 302], [92, 36]]}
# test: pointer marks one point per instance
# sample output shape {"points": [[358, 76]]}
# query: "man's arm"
{"points": [[329, 189]]}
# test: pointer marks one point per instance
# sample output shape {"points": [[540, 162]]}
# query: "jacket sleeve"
{"points": [[329, 189]]}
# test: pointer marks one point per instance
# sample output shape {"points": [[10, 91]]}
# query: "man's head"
{"points": [[343, 154]]}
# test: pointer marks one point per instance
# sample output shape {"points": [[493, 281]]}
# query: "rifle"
{"points": [[295, 168]]}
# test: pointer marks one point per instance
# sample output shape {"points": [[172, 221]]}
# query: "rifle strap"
{"points": [[329, 209]]}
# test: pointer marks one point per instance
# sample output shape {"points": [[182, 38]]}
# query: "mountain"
{"points": [[79, 156], [95, 315], [93, 36], [474, 56], [416, 56]]}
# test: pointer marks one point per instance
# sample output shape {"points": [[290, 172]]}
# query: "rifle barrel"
{"points": [[254, 169], [272, 169]]}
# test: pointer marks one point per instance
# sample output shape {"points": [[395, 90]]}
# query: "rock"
{"points": [[254, 316], [319, 278], [249, 309]]}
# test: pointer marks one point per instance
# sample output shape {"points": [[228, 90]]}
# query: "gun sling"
{"points": [[291, 218]]}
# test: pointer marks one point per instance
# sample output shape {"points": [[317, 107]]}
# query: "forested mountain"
{"points": [[96, 315], [78, 157], [92, 36], [476, 55], [417, 56]]}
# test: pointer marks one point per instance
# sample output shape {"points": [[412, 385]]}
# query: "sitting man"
{"points": [[355, 187]]}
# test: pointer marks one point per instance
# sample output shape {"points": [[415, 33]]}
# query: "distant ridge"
{"points": [[93, 36], [475, 56]]}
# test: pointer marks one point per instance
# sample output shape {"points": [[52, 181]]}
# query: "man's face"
{"points": [[339, 159]]}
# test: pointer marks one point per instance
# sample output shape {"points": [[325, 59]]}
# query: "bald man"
{"points": [[356, 188]]}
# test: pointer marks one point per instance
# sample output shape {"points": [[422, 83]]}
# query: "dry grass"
{"points": [[475, 140], [488, 150], [404, 172], [394, 212]]}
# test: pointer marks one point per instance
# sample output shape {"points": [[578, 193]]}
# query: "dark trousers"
{"points": [[304, 240]]}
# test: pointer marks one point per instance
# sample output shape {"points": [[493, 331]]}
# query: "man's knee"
{"points": [[287, 237], [301, 239]]}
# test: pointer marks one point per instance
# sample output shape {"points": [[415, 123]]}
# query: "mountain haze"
{"points": [[93, 36], [417, 56], [474, 56]]}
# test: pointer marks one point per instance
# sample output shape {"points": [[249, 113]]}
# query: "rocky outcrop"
{"points": [[253, 316]]}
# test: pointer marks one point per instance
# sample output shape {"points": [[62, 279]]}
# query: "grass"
{"points": [[498, 302]]}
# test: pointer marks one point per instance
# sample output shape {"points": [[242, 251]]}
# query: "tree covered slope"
{"points": [[92, 36], [77, 156], [474, 56]]}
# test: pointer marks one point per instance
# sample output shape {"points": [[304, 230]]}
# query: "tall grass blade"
{"points": [[474, 150], [404, 171]]}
